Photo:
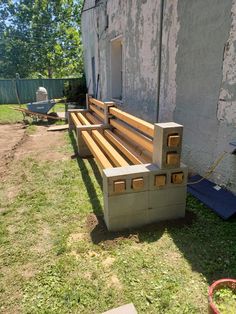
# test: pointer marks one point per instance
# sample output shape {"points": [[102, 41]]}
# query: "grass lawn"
{"points": [[8, 115], [54, 258]]}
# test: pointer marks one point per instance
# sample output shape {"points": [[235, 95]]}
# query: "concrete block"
{"points": [[127, 174], [168, 212], [164, 197], [83, 150], [165, 136], [125, 204], [127, 221], [124, 309], [156, 171]]}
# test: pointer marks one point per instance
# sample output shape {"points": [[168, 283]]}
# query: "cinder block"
{"points": [[124, 309], [169, 196], [125, 173], [165, 135], [83, 150], [125, 204], [168, 212], [127, 221], [156, 171]]}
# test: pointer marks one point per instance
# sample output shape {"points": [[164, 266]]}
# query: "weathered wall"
{"points": [[204, 31], [198, 66], [137, 22]]}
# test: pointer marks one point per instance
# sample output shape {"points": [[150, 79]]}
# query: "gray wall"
{"points": [[198, 70]]}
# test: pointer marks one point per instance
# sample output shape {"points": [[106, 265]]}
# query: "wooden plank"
{"points": [[58, 127], [75, 119], [160, 180], [137, 184], [177, 178], [82, 119], [97, 111], [133, 135], [101, 159], [173, 159], [137, 123], [127, 150], [173, 140], [96, 102], [92, 118], [145, 155], [119, 186], [117, 159]]}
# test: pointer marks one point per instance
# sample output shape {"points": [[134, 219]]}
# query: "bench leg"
{"points": [[83, 150]]}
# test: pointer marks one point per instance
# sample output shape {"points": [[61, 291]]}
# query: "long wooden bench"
{"points": [[140, 162]]}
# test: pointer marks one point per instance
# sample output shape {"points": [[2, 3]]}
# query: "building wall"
{"points": [[198, 66]]}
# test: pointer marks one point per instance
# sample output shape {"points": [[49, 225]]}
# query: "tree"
{"points": [[41, 37]]}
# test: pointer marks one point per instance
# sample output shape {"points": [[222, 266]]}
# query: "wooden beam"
{"points": [[97, 111], [133, 135], [96, 102], [117, 159], [137, 123], [101, 159], [82, 119], [145, 155], [127, 150], [75, 119], [92, 118]]}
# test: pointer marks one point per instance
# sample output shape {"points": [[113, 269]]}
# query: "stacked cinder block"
{"points": [[141, 194]]}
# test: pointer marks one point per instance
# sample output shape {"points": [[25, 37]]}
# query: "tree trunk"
{"points": [[50, 72]]}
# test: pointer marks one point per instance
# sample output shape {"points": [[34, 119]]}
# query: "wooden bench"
{"points": [[143, 180]]}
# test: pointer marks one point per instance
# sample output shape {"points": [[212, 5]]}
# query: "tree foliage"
{"points": [[40, 37]]}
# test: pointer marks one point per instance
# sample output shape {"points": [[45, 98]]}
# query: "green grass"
{"points": [[8, 115], [53, 261]]}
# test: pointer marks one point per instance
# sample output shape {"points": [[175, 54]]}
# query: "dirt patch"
{"points": [[43, 145], [11, 137], [28, 270], [17, 144], [114, 282], [108, 261], [75, 237]]}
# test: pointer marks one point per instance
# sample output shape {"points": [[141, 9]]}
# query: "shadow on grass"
{"points": [[94, 199], [209, 245]]}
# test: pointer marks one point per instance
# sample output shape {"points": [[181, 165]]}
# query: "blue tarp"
{"points": [[222, 202]]}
